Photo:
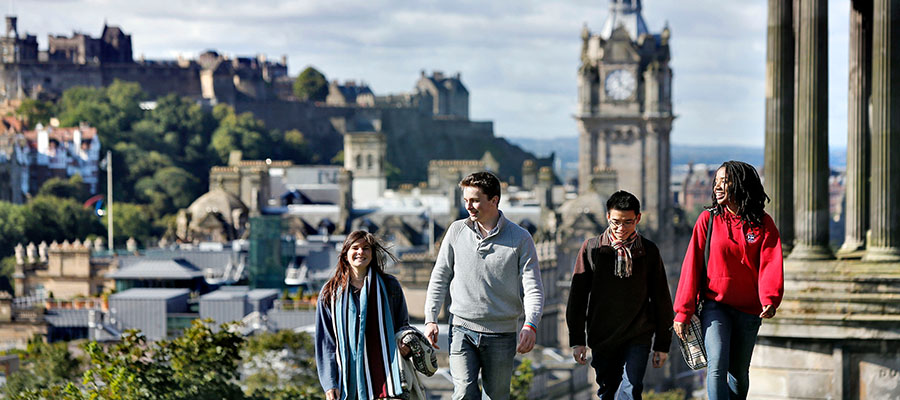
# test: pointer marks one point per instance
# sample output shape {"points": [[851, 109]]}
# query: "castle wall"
{"points": [[311, 120], [32, 77], [156, 79], [414, 139]]}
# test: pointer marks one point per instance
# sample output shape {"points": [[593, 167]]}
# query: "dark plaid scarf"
{"points": [[623, 251], [367, 354]]}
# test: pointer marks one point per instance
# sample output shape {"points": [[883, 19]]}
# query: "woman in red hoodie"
{"points": [[743, 283]]}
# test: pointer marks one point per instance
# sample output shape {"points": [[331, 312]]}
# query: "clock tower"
{"points": [[624, 111]]}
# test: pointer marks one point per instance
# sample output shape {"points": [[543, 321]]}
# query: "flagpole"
{"points": [[109, 196]]}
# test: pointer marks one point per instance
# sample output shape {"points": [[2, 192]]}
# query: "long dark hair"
{"points": [[745, 191], [341, 277]]}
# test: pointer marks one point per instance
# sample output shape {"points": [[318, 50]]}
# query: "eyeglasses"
{"points": [[617, 223]]}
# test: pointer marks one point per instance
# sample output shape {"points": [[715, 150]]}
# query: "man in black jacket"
{"points": [[620, 297]]}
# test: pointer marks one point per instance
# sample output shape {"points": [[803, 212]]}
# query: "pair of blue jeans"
{"points": [[491, 354], [621, 372], [729, 336]]}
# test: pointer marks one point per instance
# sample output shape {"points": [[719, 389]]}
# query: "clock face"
{"points": [[620, 84]]}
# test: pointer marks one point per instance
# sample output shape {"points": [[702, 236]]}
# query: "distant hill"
{"points": [[566, 149]]}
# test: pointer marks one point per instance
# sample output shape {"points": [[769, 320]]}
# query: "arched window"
{"points": [[369, 161], [359, 161]]}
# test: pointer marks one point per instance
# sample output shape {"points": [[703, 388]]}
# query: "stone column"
{"points": [[857, 189], [779, 152], [884, 242], [811, 157]]}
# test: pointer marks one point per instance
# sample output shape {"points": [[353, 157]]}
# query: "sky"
{"points": [[518, 58]]}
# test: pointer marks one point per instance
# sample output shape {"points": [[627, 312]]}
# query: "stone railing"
{"points": [[76, 304], [34, 315]]}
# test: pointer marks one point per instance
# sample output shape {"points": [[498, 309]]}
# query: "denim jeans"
{"points": [[472, 352], [621, 372], [729, 336]]}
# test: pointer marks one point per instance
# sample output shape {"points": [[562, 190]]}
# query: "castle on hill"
{"points": [[429, 122]]}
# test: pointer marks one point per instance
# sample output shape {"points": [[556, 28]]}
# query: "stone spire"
{"points": [[32, 252], [625, 13], [20, 254], [42, 251]]}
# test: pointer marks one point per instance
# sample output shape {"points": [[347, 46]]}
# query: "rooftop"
{"points": [[174, 269], [149, 293]]}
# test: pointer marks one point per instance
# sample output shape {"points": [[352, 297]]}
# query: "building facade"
{"points": [[624, 112], [62, 271]]}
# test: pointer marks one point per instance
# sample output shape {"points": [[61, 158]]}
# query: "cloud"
{"points": [[518, 58]]}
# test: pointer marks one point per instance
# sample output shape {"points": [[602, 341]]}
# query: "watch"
{"points": [[620, 84]]}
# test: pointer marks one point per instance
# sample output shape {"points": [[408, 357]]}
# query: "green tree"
{"points": [[7, 268], [338, 158], [199, 365], [73, 188], [49, 218], [292, 146], [112, 110], [130, 164], [44, 365], [125, 99], [12, 227], [183, 130], [311, 85], [35, 111], [131, 220], [239, 132], [168, 190], [521, 381], [293, 353]]}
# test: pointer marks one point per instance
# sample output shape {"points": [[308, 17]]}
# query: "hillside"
{"points": [[566, 149]]}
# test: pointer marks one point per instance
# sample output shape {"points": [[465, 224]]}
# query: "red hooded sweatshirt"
{"points": [[745, 266]]}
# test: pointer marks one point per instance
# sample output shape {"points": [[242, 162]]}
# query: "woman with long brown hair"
{"points": [[359, 311]]}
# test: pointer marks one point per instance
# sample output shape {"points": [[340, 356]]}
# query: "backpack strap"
{"points": [[709, 228], [593, 243]]}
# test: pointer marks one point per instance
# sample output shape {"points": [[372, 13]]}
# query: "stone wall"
{"points": [[17, 334], [157, 79], [835, 335], [414, 139], [314, 121]]}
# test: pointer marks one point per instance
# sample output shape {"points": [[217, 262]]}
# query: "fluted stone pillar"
{"points": [[884, 242], [811, 152], [779, 152], [857, 189]]}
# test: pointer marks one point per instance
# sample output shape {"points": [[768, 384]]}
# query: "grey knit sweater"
{"points": [[492, 281]]}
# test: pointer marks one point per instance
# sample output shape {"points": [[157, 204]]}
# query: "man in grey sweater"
{"points": [[489, 266]]}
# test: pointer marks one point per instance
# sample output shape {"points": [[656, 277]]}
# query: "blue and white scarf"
{"points": [[361, 363]]}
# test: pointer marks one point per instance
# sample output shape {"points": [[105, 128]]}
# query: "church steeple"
{"points": [[626, 13]]}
